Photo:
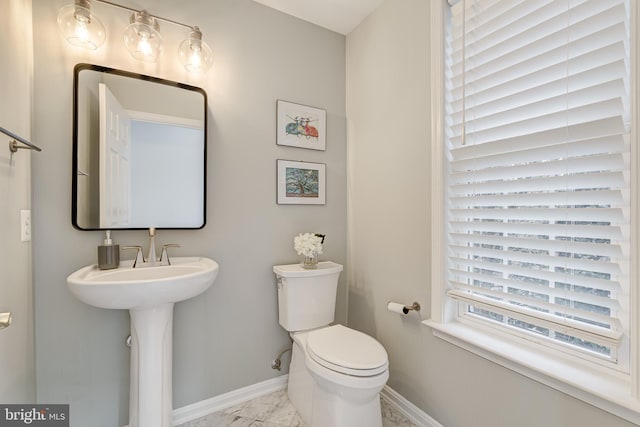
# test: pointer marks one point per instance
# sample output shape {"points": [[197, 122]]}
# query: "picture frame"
{"points": [[301, 126], [301, 183]]}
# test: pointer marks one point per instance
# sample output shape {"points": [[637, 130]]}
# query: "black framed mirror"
{"points": [[139, 151]]}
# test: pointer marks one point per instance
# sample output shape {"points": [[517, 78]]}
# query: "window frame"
{"points": [[597, 384]]}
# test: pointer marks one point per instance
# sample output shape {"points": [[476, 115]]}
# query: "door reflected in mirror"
{"points": [[139, 151]]}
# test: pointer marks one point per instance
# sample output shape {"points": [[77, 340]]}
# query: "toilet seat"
{"points": [[347, 351]]}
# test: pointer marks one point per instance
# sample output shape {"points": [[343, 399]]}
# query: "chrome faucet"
{"points": [[152, 260]]}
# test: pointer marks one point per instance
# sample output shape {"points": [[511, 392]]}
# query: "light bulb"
{"points": [[79, 26], [195, 61], [194, 54], [82, 32], [144, 47]]}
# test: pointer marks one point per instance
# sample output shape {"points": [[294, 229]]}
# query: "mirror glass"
{"points": [[139, 151]]}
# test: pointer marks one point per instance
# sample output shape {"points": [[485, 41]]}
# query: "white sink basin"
{"points": [[127, 288], [149, 294]]}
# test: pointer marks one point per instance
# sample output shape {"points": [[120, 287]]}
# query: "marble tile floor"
{"points": [[275, 410]]}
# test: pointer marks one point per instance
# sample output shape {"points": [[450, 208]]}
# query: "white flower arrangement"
{"points": [[308, 244]]}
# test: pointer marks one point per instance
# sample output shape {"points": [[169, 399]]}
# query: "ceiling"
{"points": [[341, 16]]}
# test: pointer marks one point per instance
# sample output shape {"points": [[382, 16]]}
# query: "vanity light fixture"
{"points": [[142, 38], [79, 26], [194, 54]]}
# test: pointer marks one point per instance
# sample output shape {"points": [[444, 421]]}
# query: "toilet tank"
{"points": [[306, 298]]}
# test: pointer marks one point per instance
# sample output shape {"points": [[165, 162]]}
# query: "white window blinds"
{"points": [[538, 138]]}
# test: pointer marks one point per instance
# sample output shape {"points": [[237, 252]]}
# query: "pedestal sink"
{"points": [[149, 294]]}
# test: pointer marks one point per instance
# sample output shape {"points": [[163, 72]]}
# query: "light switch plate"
{"points": [[25, 225]]}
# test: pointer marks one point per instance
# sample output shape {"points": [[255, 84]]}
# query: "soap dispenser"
{"points": [[108, 254]]}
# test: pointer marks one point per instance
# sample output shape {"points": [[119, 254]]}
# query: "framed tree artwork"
{"points": [[301, 183]]}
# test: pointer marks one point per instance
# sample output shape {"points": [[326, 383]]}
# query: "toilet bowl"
{"points": [[321, 390], [336, 373]]}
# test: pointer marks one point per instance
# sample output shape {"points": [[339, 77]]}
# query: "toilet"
{"points": [[336, 373]]}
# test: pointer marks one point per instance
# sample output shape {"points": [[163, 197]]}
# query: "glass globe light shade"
{"points": [[142, 37], [194, 54], [80, 27]]}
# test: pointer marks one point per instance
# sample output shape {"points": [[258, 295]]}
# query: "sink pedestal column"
{"points": [[150, 399]]}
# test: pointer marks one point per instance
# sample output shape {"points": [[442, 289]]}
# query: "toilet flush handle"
{"points": [[5, 320]]}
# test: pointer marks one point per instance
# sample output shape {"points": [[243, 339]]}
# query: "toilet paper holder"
{"points": [[396, 307], [413, 307]]}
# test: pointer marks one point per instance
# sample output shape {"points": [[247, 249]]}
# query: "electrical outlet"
{"points": [[25, 225]]}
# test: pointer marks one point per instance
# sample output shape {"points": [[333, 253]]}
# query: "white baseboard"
{"points": [[226, 400], [408, 409]]}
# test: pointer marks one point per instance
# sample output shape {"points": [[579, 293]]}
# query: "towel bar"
{"points": [[13, 145]]}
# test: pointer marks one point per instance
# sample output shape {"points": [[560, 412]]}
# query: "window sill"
{"points": [[611, 392]]}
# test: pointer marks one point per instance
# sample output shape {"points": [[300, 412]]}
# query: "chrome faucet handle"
{"points": [[165, 253], [139, 256]]}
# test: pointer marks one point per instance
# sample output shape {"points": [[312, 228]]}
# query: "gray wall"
{"points": [[226, 338], [17, 383], [388, 80]]}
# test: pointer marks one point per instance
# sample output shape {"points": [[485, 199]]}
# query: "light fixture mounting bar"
{"points": [[130, 9]]}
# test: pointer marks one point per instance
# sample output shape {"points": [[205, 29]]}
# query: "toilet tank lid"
{"points": [[296, 270]]}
